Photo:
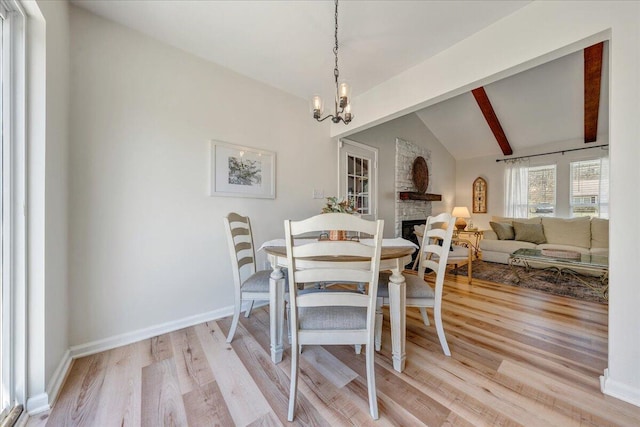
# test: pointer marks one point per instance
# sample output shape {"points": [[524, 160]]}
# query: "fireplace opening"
{"points": [[407, 233]]}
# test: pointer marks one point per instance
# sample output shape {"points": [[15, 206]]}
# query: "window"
{"points": [[590, 188], [541, 194], [530, 190]]}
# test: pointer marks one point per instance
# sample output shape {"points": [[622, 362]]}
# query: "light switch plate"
{"points": [[318, 194]]}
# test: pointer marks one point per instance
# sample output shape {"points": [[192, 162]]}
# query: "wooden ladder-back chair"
{"points": [[433, 255], [333, 316], [249, 284]]}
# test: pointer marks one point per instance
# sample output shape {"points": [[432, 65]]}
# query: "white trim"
{"points": [[38, 404], [59, 375], [375, 153], [109, 343], [618, 390]]}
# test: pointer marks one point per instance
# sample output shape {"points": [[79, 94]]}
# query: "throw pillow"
{"points": [[529, 232], [503, 230]]}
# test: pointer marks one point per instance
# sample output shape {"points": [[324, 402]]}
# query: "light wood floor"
{"points": [[519, 357]]}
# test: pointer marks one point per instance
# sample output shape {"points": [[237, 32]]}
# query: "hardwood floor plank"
{"points": [[267, 420], [234, 381], [120, 401], [315, 392], [329, 366], [160, 348], [191, 363], [161, 398], [586, 404], [79, 406], [273, 381], [519, 357], [205, 406], [419, 404]]}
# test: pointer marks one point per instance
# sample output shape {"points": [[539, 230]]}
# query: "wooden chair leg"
{"points": [[440, 329], [371, 382], [378, 325], [247, 313], [236, 316], [469, 271], [294, 385], [425, 317]]}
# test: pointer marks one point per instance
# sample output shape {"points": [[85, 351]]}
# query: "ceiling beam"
{"points": [[592, 80], [492, 120]]}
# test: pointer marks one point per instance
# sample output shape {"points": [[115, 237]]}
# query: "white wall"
{"points": [[146, 242], [442, 172], [535, 34], [487, 167]]}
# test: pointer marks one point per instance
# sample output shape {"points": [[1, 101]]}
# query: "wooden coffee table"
{"points": [[564, 264]]}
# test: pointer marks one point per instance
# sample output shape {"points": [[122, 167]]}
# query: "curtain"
{"points": [[516, 188], [603, 197]]}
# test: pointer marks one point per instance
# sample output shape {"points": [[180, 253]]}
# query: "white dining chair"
{"points": [[333, 316], [249, 284], [460, 253], [433, 255]]}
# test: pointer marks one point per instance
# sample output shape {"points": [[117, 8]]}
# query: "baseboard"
{"points": [[618, 390], [98, 346], [37, 404], [58, 377]]}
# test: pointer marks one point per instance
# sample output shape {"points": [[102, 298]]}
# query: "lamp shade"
{"points": [[461, 212]]}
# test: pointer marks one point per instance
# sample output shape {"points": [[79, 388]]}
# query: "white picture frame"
{"points": [[241, 171]]}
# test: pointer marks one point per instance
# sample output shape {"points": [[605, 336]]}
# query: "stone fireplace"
{"points": [[409, 210]]}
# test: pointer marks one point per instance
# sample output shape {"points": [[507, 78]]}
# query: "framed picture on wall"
{"points": [[240, 171], [479, 195]]}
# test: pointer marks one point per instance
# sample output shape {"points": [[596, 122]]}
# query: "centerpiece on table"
{"points": [[339, 206]]}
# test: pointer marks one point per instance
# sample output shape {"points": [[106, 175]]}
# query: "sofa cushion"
{"points": [[506, 246], [599, 233], [600, 251], [503, 230], [529, 232], [534, 220], [563, 247], [571, 232]]}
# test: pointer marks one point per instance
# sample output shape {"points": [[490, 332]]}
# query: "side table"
{"points": [[475, 235]]}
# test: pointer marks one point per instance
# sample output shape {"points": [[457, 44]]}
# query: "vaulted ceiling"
{"points": [[288, 45]]}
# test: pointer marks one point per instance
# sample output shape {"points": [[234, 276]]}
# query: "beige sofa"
{"points": [[584, 235]]}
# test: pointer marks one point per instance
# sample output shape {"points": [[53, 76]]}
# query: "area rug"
{"points": [[542, 280]]}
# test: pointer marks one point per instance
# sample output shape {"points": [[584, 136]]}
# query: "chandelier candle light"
{"points": [[343, 93]]}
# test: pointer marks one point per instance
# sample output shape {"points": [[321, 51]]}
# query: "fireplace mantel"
{"points": [[414, 195]]}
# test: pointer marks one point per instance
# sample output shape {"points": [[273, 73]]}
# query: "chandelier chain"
{"points": [[336, 72]]}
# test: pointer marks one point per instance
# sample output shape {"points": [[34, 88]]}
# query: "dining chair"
{"points": [[333, 316], [460, 253], [249, 284], [432, 255]]}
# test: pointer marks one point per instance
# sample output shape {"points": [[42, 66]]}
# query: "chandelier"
{"points": [[342, 111]]}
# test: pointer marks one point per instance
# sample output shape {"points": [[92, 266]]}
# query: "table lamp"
{"points": [[461, 212]]}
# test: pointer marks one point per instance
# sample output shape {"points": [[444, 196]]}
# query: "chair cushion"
{"points": [[330, 318], [503, 230], [257, 282], [416, 287], [529, 232]]}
